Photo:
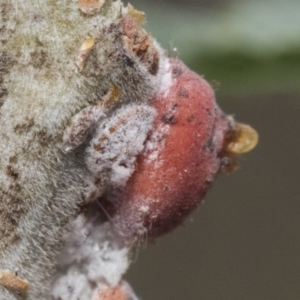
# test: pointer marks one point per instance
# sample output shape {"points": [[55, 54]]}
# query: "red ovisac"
{"points": [[190, 143]]}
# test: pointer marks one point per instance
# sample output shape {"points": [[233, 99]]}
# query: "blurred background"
{"points": [[243, 242]]}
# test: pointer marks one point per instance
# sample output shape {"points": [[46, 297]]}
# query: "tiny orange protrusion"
{"points": [[89, 7], [244, 139]]}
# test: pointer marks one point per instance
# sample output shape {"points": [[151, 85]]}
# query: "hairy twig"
{"points": [[92, 112]]}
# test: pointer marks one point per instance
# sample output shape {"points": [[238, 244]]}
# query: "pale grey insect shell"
{"points": [[117, 142]]}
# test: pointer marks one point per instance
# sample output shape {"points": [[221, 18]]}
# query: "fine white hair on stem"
{"points": [[47, 77]]}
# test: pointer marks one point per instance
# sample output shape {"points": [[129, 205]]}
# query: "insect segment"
{"points": [[111, 155], [187, 147]]}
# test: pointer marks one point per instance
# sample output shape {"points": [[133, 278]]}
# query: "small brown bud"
{"points": [[83, 53], [12, 282]]}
